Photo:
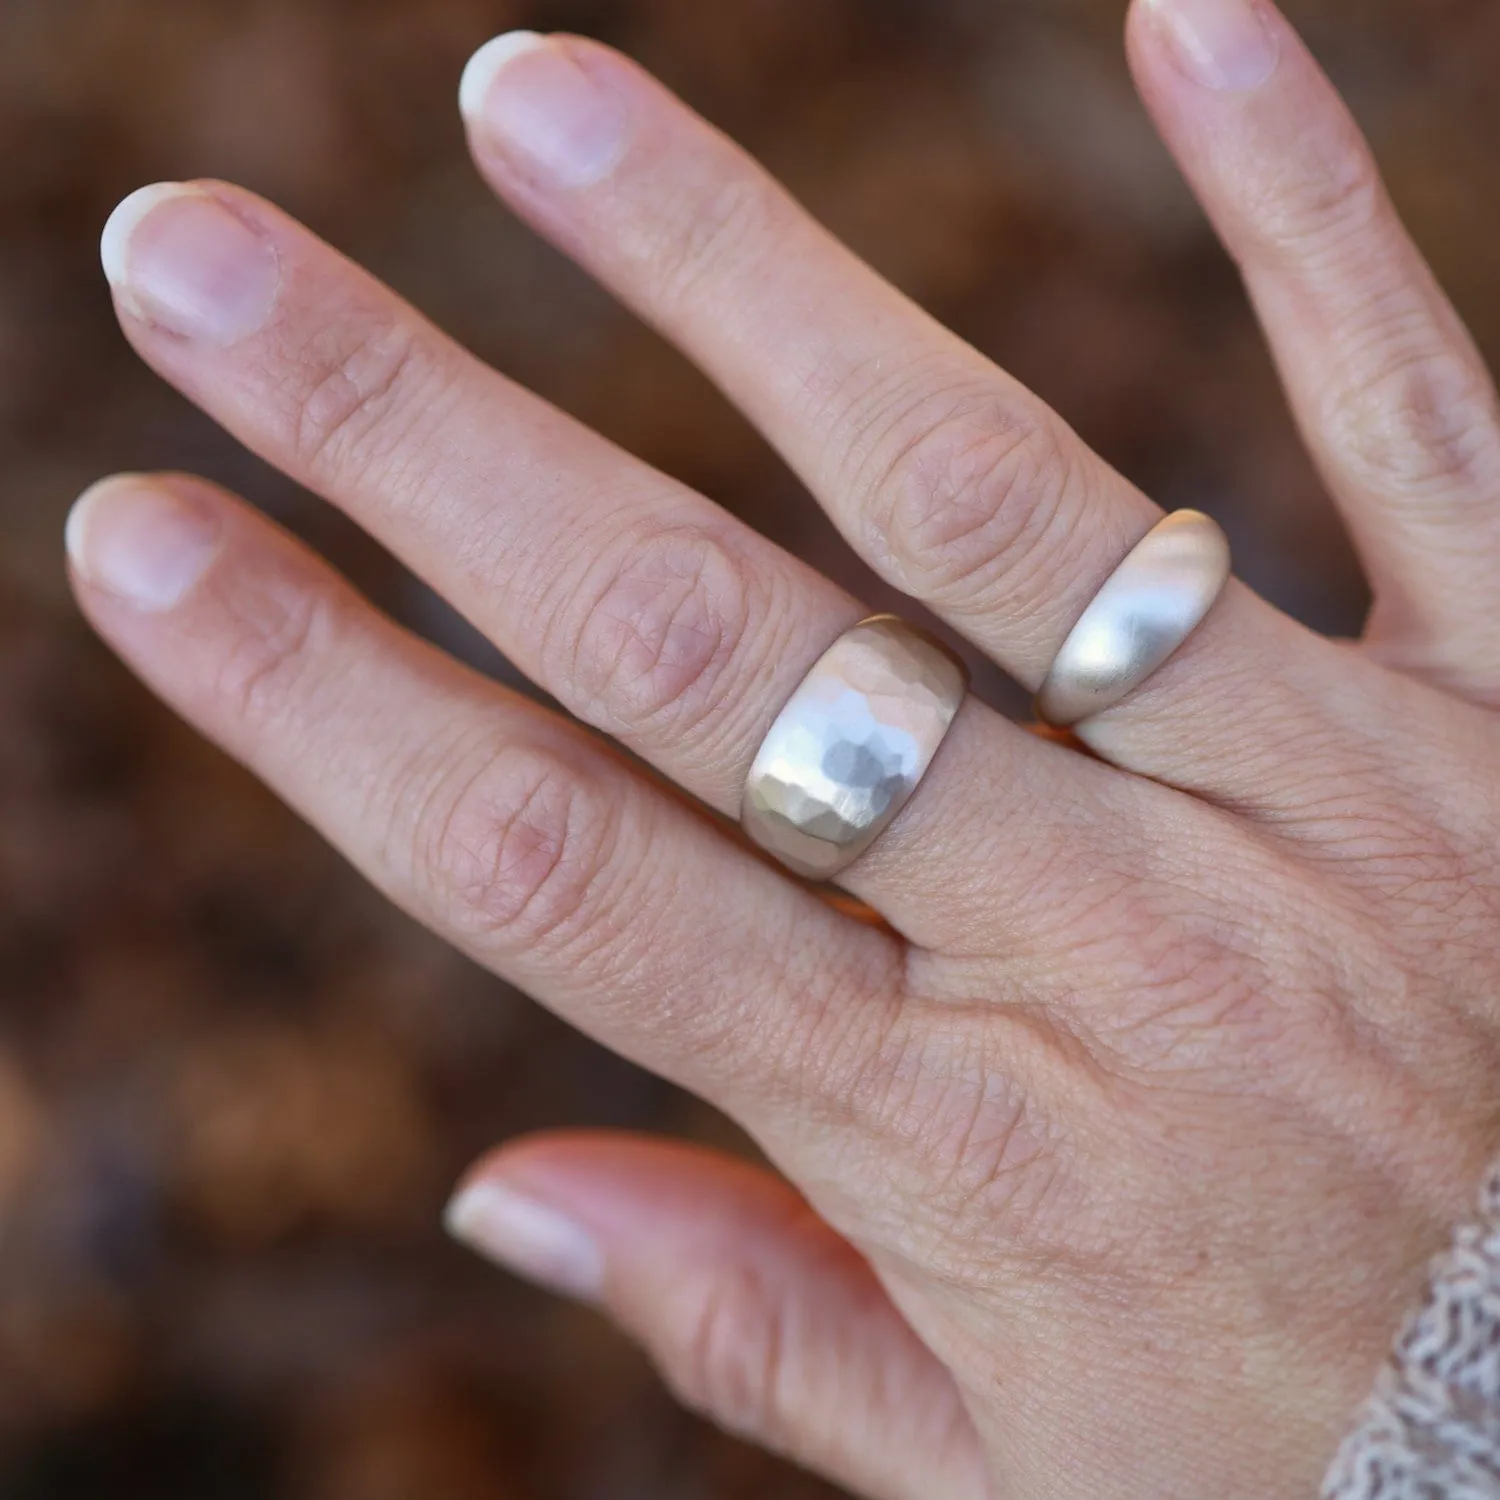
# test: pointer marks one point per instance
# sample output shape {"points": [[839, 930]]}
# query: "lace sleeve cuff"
{"points": [[1432, 1429]]}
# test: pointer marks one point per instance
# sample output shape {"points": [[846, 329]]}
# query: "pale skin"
{"points": [[1115, 1156]]}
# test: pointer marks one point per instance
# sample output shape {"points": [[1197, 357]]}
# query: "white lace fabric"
{"points": [[1431, 1431]]}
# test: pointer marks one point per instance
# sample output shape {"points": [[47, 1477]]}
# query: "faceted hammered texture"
{"points": [[851, 745]]}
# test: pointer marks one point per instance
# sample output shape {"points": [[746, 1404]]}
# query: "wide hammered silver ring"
{"points": [[851, 746], [1147, 609]]}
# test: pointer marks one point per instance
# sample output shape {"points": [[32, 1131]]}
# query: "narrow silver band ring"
{"points": [[852, 745], [1147, 609]]}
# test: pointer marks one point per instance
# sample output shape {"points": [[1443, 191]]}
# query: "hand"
{"points": [[1126, 1141]]}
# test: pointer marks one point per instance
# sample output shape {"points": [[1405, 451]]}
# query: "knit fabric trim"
{"points": [[1432, 1429]]}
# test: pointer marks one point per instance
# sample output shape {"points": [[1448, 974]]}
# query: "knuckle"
{"points": [[362, 391], [960, 492], [658, 628], [280, 632], [730, 1361], [708, 232], [1320, 199], [516, 852], [1419, 424]]}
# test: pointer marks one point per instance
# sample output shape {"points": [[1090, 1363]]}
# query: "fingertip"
{"points": [[1221, 46], [185, 258], [76, 529], [624, 1186], [142, 540], [120, 227], [487, 64], [529, 1236], [557, 123], [1143, 38]]}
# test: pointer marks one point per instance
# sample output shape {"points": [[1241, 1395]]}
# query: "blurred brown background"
{"points": [[236, 1087]]}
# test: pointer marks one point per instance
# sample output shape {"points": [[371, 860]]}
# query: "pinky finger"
{"points": [[757, 1313]]}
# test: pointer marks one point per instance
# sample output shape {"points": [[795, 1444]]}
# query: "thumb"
{"points": [[756, 1312]]}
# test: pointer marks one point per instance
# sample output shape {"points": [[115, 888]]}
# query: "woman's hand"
{"points": [[1127, 1141]]}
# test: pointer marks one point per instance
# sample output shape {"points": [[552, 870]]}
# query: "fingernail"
{"points": [[1227, 45], [178, 258], [142, 542], [526, 95], [529, 1238]]}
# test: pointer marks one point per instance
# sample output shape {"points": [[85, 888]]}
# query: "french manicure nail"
{"points": [[143, 543], [529, 97], [179, 258], [1226, 45], [529, 1238]]}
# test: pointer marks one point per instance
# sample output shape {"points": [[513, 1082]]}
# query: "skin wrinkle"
{"points": [[504, 853], [716, 236], [351, 403], [1303, 181], [1176, 1082], [734, 1361], [852, 418], [620, 952], [1384, 419], [417, 784], [1372, 823], [753, 621], [1312, 221], [737, 1362], [1420, 425], [820, 1037], [1381, 334], [278, 630], [1335, 748], [935, 1103], [954, 485], [993, 1163], [661, 630], [913, 469], [360, 402], [825, 404]]}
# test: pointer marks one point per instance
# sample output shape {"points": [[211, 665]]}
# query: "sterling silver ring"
{"points": [[852, 745], [1146, 610]]}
